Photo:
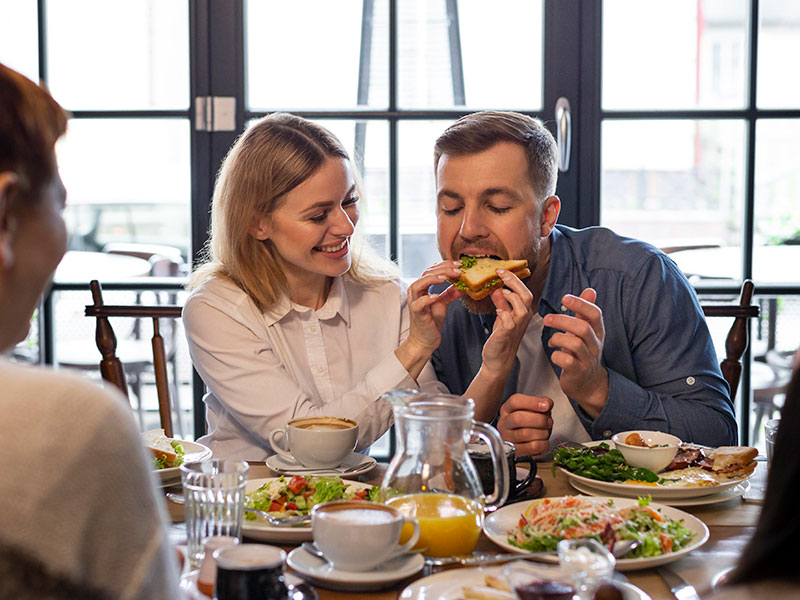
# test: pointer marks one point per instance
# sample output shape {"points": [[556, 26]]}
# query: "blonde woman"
{"points": [[292, 314]]}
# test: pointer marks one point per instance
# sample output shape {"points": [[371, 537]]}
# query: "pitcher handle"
{"points": [[491, 436]]}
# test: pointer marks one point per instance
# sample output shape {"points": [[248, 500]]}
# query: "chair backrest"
{"points": [[111, 368], [739, 334]]}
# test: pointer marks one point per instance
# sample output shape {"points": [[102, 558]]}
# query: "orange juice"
{"points": [[448, 524]]}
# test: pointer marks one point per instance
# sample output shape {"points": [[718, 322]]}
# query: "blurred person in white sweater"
{"points": [[79, 514]]}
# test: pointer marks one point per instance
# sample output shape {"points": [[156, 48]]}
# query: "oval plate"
{"points": [[499, 523]]}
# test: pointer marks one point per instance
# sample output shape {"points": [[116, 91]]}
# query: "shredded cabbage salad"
{"points": [[547, 522]]}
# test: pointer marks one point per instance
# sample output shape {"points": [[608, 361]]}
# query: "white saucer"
{"points": [[355, 464], [298, 590], [321, 573]]}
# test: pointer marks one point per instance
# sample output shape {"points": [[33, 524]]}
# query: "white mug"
{"points": [[358, 535], [317, 442]]}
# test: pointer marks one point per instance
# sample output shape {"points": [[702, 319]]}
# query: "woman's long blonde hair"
{"points": [[275, 155]]}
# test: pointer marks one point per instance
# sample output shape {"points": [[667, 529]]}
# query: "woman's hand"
{"points": [[427, 311]]}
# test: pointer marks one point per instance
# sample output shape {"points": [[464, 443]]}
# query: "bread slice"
{"points": [[479, 274], [734, 460], [161, 446]]}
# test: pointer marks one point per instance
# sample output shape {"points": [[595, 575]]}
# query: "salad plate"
{"points": [[260, 530], [321, 573], [449, 585], [498, 524], [353, 465], [656, 492], [727, 493], [193, 452]]}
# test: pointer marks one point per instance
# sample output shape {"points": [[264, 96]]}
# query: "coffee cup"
{"points": [[481, 457], [358, 535], [317, 442]]}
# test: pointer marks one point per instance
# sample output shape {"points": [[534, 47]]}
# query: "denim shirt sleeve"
{"points": [[668, 377]]}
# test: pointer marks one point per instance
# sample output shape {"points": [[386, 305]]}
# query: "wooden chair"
{"points": [[111, 368], [739, 334]]}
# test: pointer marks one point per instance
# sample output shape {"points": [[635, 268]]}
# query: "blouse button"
{"points": [[690, 380]]}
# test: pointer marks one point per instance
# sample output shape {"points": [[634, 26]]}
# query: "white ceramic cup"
{"points": [[317, 442], [358, 536]]}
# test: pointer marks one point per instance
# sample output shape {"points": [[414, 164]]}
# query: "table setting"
{"points": [[427, 525]]}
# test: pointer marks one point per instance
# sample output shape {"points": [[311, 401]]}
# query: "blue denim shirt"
{"points": [[662, 368]]}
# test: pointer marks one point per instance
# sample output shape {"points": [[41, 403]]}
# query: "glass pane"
{"points": [[477, 58], [417, 195], [75, 350], [128, 182], [337, 59], [777, 209], [778, 42], [18, 37], [118, 55], [673, 54], [675, 183]]}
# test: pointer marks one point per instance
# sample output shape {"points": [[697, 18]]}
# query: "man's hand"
{"points": [[580, 350], [514, 313], [526, 422]]}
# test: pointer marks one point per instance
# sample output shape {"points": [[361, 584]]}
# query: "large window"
{"points": [[685, 122]]}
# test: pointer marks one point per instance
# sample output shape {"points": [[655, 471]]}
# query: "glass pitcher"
{"points": [[431, 476]]}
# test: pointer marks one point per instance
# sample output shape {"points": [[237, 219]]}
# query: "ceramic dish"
{"points": [[448, 585], [356, 464], [728, 493], [262, 531], [499, 523], [321, 573], [193, 452]]}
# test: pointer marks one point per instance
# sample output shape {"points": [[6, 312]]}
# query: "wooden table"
{"points": [[731, 525]]}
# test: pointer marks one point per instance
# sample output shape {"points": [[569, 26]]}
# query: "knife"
{"points": [[679, 587]]}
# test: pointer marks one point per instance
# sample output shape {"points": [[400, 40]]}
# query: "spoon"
{"points": [[621, 548], [290, 521]]}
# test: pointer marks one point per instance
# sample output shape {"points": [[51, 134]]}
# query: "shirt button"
{"points": [[312, 329], [690, 380], [607, 433], [320, 369], [564, 308]]}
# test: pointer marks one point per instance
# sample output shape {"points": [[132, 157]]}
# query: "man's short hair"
{"points": [[480, 131]]}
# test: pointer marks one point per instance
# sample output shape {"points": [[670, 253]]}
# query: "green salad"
{"points": [[162, 463], [299, 494], [601, 463]]}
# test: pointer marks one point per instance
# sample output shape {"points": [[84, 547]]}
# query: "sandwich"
{"points": [[479, 274], [733, 461], [167, 453]]}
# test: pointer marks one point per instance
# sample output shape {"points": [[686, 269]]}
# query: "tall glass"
{"points": [[214, 493]]}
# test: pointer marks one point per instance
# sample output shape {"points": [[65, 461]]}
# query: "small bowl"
{"points": [[654, 459]]}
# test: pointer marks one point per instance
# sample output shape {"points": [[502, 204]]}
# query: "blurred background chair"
{"points": [[113, 370]]}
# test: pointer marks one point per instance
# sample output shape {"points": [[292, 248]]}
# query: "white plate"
{"points": [[447, 585], [263, 531], [727, 494], [355, 464], [499, 523], [656, 492], [192, 453], [322, 573]]}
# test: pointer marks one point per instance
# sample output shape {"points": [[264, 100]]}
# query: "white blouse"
{"points": [[263, 369]]}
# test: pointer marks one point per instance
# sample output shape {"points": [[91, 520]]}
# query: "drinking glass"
{"points": [[214, 493], [770, 431], [587, 563]]}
